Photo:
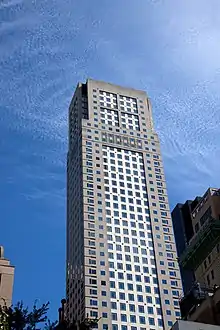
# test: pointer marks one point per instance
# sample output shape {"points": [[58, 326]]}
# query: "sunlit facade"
{"points": [[121, 255]]}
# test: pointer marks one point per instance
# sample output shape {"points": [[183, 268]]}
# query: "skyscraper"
{"points": [[121, 255]]}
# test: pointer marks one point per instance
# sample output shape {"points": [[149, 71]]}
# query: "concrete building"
{"points": [[121, 255], [183, 232], [202, 256], [6, 279], [186, 325]]}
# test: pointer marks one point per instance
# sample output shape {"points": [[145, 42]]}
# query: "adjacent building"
{"points": [[186, 325], [6, 279], [121, 255], [183, 232], [202, 256]]}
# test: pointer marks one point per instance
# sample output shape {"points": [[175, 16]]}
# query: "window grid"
{"points": [[109, 117], [130, 121], [132, 269], [128, 104], [108, 100]]}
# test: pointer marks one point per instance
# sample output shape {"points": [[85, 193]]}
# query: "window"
{"points": [[124, 327], [93, 302], [132, 318], [150, 310], [131, 297], [206, 215], [123, 317], [114, 305], [156, 290], [94, 314], [175, 293], [141, 309], [132, 308], [160, 323], [113, 294], [172, 273], [122, 295], [197, 227], [93, 292], [151, 321], [139, 288], [159, 311], [157, 300], [142, 320]]}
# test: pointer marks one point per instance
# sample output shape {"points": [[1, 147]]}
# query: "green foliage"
{"points": [[18, 317]]}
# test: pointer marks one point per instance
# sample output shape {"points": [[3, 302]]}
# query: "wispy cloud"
{"points": [[168, 48], [171, 51]]}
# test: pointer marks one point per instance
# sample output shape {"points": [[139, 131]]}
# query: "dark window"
{"points": [[197, 227], [205, 216], [208, 279]]}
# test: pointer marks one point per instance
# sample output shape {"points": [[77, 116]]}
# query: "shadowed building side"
{"points": [[202, 255], [183, 231]]}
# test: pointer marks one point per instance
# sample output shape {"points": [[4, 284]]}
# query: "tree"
{"points": [[19, 317], [63, 324]]}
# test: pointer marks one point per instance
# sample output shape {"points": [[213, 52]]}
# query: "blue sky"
{"points": [[169, 48]]}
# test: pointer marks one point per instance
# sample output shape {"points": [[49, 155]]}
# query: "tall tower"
{"points": [[121, 255]]}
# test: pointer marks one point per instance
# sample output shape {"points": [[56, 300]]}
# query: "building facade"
{"points": [[121, 256], [202, 255], [183, 232], [6, 280], [203, 251], [186, 325]]}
